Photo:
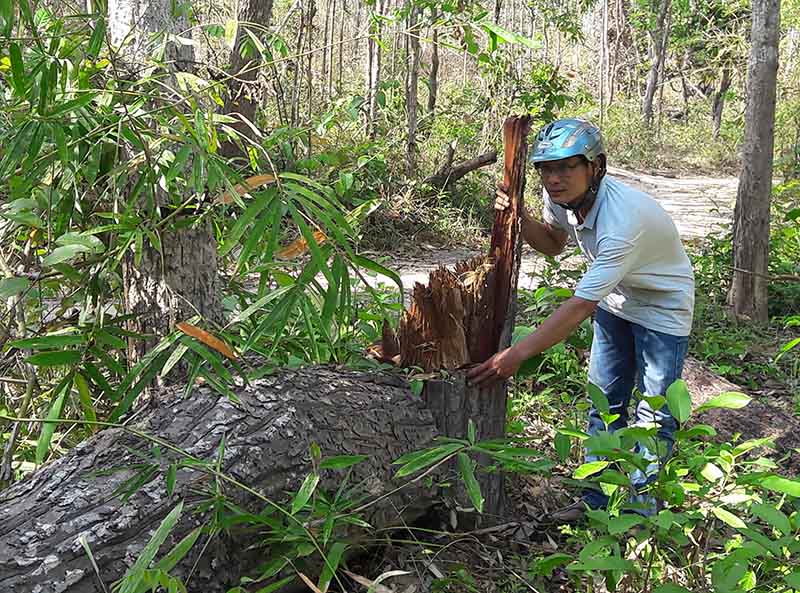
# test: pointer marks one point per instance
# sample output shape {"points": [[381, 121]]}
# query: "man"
{"points": [[639, 284]]}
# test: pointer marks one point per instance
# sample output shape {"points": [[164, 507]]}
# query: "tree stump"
{"points": [[466, 315]]}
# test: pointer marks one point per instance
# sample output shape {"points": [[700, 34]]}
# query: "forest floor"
{"points": [[495, 559]]}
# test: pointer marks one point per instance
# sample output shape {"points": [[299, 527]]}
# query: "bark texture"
{"points": [[244, 96], [267, 440], [751, 216]]}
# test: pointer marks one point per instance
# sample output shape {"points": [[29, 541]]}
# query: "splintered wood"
{"points": [[465, 315], [441, 328]]}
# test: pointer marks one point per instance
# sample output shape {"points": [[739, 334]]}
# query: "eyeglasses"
{"points": [[560, 169]]}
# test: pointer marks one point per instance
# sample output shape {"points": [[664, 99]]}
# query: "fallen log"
{"points": [[266, 447]]}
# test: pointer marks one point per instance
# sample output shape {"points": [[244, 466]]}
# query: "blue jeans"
{"points": [[625, 354]]}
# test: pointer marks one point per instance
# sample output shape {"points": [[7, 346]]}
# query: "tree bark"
{"points": [[719, 101], [243, 97], [433, 77], [373, 75], [266, 443], [412, 83], [751, 216], [180, 279], [658, 50]]}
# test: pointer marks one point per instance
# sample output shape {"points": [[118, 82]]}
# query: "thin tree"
{"points": [[748, 293], [412, 83], [659, 37], [433, 76]]}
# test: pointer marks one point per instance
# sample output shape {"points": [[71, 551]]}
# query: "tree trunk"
{"points": [[180, 279], [751, 216], [464, 317], [449, 173], [433, 78], [244, 97], [719, 101], [658, 50], [266, 444], [412, 83], [373, 75]]}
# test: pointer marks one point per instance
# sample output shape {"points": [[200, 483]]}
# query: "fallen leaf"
{"points": [[308, 582], [207, 339], [369, 584], [246, 186], [300, 246]]}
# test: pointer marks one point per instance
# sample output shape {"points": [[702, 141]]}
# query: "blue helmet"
{"points": [[564, 138]]}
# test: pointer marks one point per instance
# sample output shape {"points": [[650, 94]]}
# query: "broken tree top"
{"points": [[465, 315]]}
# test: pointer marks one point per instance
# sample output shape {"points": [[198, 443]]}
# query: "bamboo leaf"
{"points": [[85, 398], [304, 494], [727, 517], [341, 461], [471, 484], [98, 36], [245, 187], [49, 426], [17, 68], [55, 358], [418, 460], [332, 560], [247, 217]]}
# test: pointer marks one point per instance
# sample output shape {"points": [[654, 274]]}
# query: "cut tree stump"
{"points": [[267, 441], [463, 317]]}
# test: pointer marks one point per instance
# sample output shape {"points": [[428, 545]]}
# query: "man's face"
{"points": [[566, 180]]}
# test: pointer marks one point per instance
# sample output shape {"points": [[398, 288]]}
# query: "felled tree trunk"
{"points": [[466, 315], [266, 446]]}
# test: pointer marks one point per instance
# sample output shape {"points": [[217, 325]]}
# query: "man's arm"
{"points": [[543, 237], [553, 330]]}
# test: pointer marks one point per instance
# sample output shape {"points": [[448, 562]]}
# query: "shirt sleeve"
{"points": [[615, 258]]}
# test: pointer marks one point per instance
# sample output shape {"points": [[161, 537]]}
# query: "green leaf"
{"points": [[607, 563], [732, 400], [670, 588], [73, 105], [98, 36], [413, 462], [49, 342], [65, 253], [247, 217], [341, 461], [712, 472], [563, 445], [695, 431], [89, 241], [17, 68], [467, 474], [784, 485], [133, 578], [729, 518], [623, 523], [85, 398], [55, 358], [546, 565], [786, 347], [679, 401], [332, 560], [373, 266], [598, 398], [611, 476], [11, 287], [793, 579], [772, 516], [49, 426], [471, 432], [306, 490], [587, 469]]}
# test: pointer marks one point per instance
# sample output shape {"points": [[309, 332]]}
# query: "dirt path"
{"points": [[697, 204]]}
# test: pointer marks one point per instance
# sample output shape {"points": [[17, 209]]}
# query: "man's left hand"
{"points": [[499, 367]]}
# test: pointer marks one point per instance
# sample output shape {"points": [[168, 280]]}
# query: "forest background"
{"points": [[205, 193]]}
